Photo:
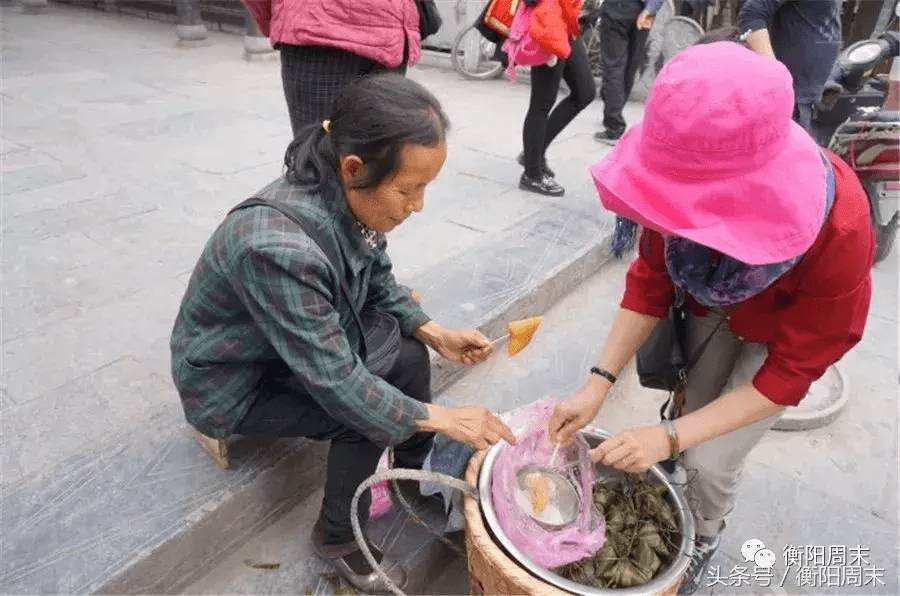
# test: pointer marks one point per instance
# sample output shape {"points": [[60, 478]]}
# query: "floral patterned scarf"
{"points": [[717, 280]]}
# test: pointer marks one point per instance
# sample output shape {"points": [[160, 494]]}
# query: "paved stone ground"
{"points": [[120, 154]]}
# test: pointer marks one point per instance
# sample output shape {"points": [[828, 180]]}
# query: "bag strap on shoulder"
{"points": [[679, 306], [331, 253], [702, 347]]}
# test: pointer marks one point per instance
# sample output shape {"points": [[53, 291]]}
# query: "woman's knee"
{"points": [[416, 353], [540, 106], [580, 77], [584, 95], [710, 469], [545, 83], [412, 373]]}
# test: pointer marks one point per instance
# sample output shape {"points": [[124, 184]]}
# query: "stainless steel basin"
{"points": [[673, 568]]}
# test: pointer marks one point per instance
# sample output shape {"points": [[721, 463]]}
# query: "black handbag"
{"points": [[489, 33], [379, 332], [662, 361], [429, 18]]}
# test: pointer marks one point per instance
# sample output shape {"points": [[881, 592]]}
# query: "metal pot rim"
{"points": [[670, 574]]}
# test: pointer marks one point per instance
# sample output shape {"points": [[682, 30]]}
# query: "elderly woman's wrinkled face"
{"points": [[386, 206]]}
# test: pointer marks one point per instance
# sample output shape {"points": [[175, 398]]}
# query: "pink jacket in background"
{"points": [[376, 29], [520, 47]]}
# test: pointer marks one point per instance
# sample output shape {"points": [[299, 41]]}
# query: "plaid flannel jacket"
{"points": [[263, 293]]}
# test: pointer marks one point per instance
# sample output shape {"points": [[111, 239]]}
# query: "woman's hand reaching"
{"points": [[468, 346], [578, 411], [634, 450], [474, 425], [645, 21]]}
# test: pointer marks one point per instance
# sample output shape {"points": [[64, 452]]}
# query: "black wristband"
{"points": [[604, 373]]}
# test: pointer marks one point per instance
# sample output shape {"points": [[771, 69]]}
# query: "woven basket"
{"points": [[491, 571]]}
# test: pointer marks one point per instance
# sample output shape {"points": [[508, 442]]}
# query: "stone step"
{"points": [[286, 544]]}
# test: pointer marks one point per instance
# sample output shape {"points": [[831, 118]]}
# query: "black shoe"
{"points": [[604, 136], [704, 549], [352, 565], [545, 185], [544, 167]]}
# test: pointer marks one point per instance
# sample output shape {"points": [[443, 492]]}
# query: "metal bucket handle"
{"points": [[398, 474]]}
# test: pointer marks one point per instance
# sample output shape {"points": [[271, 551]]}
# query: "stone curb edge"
{"points": [[794, 419], [560, 282]]}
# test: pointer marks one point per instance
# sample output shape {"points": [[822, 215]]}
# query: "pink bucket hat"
{"points": [[718, 160]]}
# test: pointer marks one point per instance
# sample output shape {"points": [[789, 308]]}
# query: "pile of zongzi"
{"points": [[641, 531]]}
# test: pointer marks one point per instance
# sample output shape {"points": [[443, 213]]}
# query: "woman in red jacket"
{"points": [[555, 28], [771, 240]]}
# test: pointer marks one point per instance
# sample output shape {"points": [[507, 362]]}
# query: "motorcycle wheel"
{"points": [[885, 231]]}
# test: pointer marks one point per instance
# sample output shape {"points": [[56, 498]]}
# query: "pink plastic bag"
{"points": [[549, 548], [520, 47], [381, 493]]}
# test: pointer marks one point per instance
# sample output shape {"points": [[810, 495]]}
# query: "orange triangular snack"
{"points": [[521, 332]]}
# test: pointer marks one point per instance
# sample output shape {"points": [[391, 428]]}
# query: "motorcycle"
{"points": [[858, 118]]}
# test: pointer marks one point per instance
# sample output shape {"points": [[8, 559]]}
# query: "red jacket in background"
{"points": [[554, 24], [810, 317]]}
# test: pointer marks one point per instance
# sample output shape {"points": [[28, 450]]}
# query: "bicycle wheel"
{"points": [[678, 34], [479, 64]]}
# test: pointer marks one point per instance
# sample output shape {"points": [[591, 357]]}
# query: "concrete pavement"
{"points": [[823, 492], [120, 154], [835, 486]]}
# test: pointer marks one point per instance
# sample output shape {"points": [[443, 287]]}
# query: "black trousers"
{"points": [[541, 126], [283, 409], [313, 78], [622, 51]]}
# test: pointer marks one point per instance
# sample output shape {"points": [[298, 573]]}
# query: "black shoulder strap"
{"points": [[679, 306], [695, 357], [702, 347], [330, 251]]}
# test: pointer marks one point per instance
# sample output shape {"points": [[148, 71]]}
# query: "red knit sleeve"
{"points": [[648, 287]]}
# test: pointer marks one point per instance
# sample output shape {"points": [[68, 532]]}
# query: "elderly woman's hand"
{"points": [[468, 346], [474, 425], [634, 450]]}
